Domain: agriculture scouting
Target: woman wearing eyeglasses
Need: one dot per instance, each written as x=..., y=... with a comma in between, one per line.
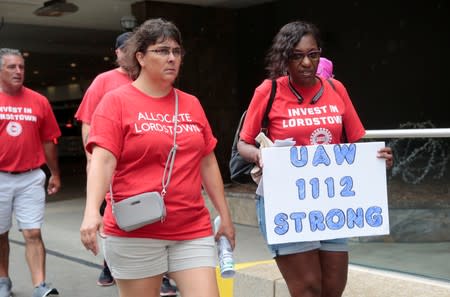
x=133, y=130
x=317, y=268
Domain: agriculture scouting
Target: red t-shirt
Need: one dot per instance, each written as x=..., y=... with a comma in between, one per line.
x=137, y=129
x=308, y=124
x=26, y=121
x=103, y=83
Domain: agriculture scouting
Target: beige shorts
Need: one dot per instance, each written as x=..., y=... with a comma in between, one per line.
x=23, y=194
x=135, y=258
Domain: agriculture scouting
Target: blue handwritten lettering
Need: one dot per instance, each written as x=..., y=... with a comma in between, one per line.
x=282, y=224
x=321, y=157
x=335, y=213
x=355, y=217
x=374, y=217
x=347, y=184
x=298, y=217
x=344, y=152
x=335, y=219
x=295, y=156
x=316, y=221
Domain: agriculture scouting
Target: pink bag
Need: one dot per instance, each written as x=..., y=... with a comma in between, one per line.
x=325, y=68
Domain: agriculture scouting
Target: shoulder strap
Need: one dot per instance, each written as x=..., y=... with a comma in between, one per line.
x=265, y=120
x=332, y=84
x=238, y=130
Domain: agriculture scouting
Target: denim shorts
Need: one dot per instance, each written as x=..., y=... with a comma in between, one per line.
x=333, y=245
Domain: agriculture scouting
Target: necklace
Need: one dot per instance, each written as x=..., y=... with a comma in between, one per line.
x=300, y=98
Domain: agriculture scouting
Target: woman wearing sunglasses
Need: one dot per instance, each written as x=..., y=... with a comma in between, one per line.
x=316, y=268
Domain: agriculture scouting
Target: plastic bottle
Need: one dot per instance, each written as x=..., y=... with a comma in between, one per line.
x=225, y=253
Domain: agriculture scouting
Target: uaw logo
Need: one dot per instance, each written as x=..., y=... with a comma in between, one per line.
x=14, y=129
x=321, y=136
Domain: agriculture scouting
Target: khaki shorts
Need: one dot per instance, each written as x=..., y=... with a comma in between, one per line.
x=135, y=258
x=23, y=194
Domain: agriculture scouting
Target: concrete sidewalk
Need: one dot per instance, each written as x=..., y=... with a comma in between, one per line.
x=70, y=268
x=74, y=271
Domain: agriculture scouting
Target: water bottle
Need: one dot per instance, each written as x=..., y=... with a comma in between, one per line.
x=225, y=253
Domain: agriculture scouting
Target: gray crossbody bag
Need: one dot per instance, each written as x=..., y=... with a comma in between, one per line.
x=146, y=208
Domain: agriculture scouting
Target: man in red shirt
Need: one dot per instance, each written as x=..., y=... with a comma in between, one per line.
x=103, y=83
x=28, y=133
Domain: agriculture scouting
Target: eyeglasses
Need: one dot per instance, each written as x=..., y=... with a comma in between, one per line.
x=165, y=51
x=313, y=55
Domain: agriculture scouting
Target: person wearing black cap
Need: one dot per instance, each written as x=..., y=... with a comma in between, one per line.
x=120, y=40
x=103, y=83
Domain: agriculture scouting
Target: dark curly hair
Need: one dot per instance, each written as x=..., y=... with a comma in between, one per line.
x=284, y=42
x=150, y=32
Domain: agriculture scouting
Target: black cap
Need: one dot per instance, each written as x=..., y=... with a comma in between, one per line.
x=121, y=39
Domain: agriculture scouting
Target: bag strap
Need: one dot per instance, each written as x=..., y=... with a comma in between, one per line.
x=238, y=130
x=332, y=84
x=265, y=121
x=170, y=159
x=172, y=153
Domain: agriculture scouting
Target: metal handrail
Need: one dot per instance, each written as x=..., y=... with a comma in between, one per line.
x=409, y=133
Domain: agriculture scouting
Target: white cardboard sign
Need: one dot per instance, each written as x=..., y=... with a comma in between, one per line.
x=324, y=192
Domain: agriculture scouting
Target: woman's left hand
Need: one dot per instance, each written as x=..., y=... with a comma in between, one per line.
x=227, y=229
x=386, y=153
